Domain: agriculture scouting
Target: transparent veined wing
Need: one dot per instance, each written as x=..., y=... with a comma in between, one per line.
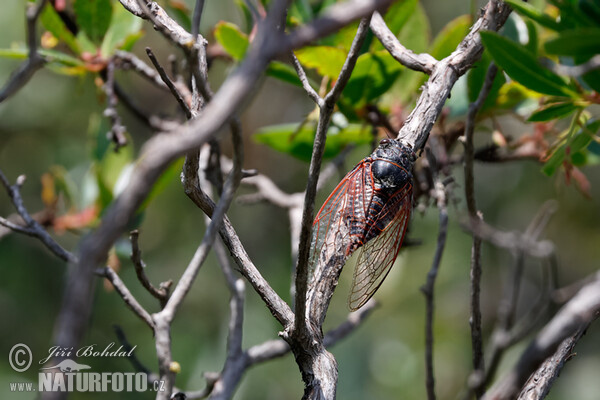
x=377, y=256
x=340, y=223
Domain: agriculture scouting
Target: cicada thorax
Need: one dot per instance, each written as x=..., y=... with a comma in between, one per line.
x=386, y=174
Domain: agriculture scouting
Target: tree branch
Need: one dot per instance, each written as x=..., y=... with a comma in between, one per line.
x=475, y=272
x=418, y=62
x=446, y=72
x=32, y=227
x=428, y=288
x=117, y=130
x=165, y=78
x=34, y=60
x=126, y=295
x=571, y=320
x=162, y=293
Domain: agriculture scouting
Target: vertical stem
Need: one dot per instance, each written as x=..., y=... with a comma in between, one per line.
x=475, y=273
x=428, y=291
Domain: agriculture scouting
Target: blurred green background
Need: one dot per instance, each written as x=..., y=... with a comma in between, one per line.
x=47, y=124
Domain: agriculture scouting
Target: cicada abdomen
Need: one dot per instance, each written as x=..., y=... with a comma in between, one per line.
x=368, y=210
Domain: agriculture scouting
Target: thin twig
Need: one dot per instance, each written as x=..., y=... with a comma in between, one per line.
x=428, y=288
x=126, y=60
x=34, y=60
x=505, y=332
x=574, y=317
x=196, y=17
x=275, y=304
x=514, y=241
x=32, y=227
x=126, y=295
x=475, y=273
x=162, y=293
x=305, y=83
x=573, y=70
x=117, y=130
x=152, y=121
x=418, y=62
x=165, y=78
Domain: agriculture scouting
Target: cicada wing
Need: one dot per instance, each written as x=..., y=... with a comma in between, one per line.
x=331, y=235
x=377, y=256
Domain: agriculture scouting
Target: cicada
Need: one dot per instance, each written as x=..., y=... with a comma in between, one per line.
x=368, y=210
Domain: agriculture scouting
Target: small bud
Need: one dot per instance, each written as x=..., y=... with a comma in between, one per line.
x=175, y=367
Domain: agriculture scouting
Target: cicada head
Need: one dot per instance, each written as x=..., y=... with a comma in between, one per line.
x=392, y=164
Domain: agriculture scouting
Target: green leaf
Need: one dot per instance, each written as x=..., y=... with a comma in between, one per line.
x=476, y=78
x=591, y=8
x=234, y=41
x=450, y=36
x=93, y=17
x=399, y=14
x=530, y=11
x=301, y=11
x=554, y=162
x=283, y=72
x=87, y=46
x=577, y=42
x=328, y=61
x=170, y=175
x=416, y=32
x=584, y=137
x=342, y=38
x=373, y=75
x=58, y=62
x=553, y=111
x=396, y=17
x=532, y=42
x=297, y=140
x=124, y=29
x=578, y=143
x=53, y=24
x=522, y=66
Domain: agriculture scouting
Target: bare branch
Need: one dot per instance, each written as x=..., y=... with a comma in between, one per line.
x=418, y=62
x=117, y=130
x=162, y=293
x=165, y=78
x=154, y=13
x=126, y=60
x=126, y=295
x=573, y=70
x=513, y=241
x=539, y=383
x=196, y=17
x=278, y=348
x=305, y=83
x=330, y=99
x=279, y=308
x=446, y=72
x=571, y=319
x=428, y=288
x=185, y=283
x=335, y=17
x=475, y=273
x=32, y=227
x=34, y=60
x=319, y=368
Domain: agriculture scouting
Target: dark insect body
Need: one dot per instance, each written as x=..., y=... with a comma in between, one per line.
x=369, y=209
